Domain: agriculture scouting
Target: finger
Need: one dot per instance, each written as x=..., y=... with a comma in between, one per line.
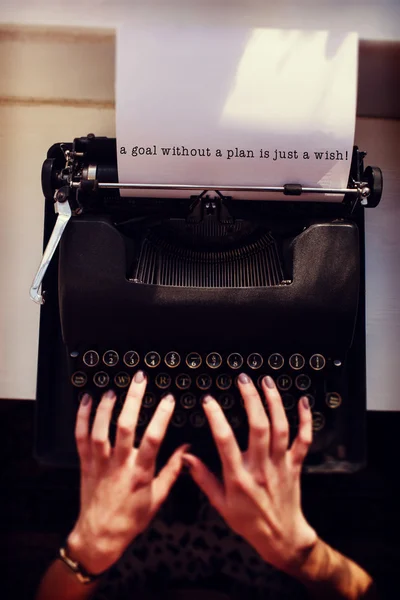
x=101, y=426
x=224, y=438
x=303, y=440
x=279, y=423
x=127, y=420
x=206, y=480
x=259, y=428
x=167, y=476
x=82, y=428
x=154, y=436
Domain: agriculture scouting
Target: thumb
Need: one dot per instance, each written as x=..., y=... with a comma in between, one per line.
x=206, y=480
x=166, y=478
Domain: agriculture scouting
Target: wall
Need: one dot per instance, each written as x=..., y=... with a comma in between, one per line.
x=49, y=91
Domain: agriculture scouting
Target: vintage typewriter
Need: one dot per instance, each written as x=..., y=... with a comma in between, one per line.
x=194, y=291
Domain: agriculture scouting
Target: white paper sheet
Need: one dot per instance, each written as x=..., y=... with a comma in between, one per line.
x=214, y=106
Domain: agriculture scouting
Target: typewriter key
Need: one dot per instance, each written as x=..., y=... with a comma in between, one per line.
x=214, y=360
x=297, y=361
x=317, y=362
x=188, y=400
x=149, y=400
x=197, y=419
x=143, y=419
x=122, y=380
x=288, y=401
x=333, y=399
x=224, y=381
x=183, y=381
x=178, y=419
x=152, y=359
x=91, y=358
x=255, y=360
x=131, y=358
x=234, y=421
x=110, y=358
x=318, y=421
x=276, y=361
x=204, y=381
x=172, y=359
x=284, y=382
x=235, y=360
x=101, y=379
x=163, y=381
x=79, y=379
x=226, y=401
x=303, y=382
x=193, y=360
x=311, y=400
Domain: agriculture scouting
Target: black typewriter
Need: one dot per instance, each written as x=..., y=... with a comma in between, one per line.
x=194, y=291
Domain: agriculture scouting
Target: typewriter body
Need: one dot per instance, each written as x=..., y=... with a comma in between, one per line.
x=194, y=291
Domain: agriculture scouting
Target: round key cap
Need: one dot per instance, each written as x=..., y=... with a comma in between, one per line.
x=204, y=381
x=276, y=361
x=178, y=419
x=255, y=360
x=333, y=399
x=131, y=358
x=197, y=419
x=172, y=359
x=183, y=381
x=303, y=382
x=91, y=358
x=152, y=359
x=226, y=401
x=149, y=400
x=101, y=379
x=288, y=401
x=224, y=381
x=188, y=400
x=317, y=362
x=284, y=383
x=297, y=361
x=163, y=381
x=235, y=360
x=214, y=360
x=79, y=379
x=318, y=421
x=110, y=358
x=193, y=360
x=122, y=380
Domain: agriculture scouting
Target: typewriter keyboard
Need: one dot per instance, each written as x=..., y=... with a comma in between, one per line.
x=190, y=375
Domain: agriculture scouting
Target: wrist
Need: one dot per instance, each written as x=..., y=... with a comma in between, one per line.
x=94, y=554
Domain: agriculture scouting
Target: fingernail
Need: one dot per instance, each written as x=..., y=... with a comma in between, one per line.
x=206, y=399
x=269, y=382
x=169, y=398
x=186, y=464
x=85, y=399
x=110, y=395
x=305, y=402
x=243, y=378
x=139, y=377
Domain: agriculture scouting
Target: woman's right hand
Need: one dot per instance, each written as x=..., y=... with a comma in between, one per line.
x=260, y=494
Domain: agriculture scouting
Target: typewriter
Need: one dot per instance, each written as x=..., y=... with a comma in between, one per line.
x=194, y=291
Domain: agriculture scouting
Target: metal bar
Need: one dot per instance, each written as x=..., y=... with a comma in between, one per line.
x=228, y=188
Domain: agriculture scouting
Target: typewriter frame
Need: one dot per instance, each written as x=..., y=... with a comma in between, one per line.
x=54, y=425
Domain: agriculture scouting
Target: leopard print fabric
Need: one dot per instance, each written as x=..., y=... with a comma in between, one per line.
x=204, y=554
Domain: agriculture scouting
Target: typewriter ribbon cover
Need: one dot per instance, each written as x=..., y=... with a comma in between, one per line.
x=228, y=106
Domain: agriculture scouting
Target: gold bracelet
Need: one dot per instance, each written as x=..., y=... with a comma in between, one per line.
x=80, y=572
